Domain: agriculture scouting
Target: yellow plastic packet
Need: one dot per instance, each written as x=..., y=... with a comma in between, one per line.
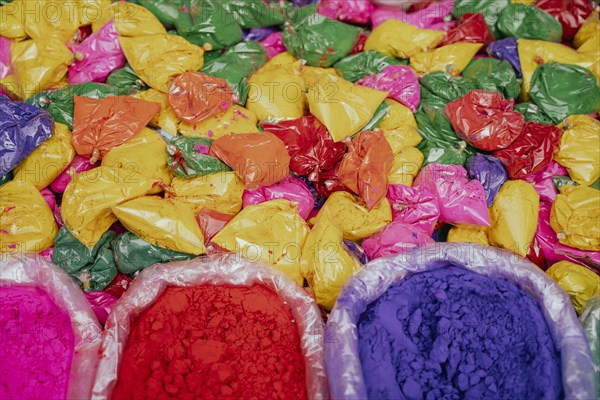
x=514, y=217
x=276, y=91
x=532, y=53
x=90, y=195
x=48, y=160
x=452, y=58
x=272, y=232
x=469, y=234
x=578, y=151
x=350, y=213
x=580, y=283
x=130, y=20
x=343, y=107
x=220, y=192
x=90, y=10
x=399, y=126
x=58, y=19
x=166, y=118
x=326, y=264
x=526, y=2
x=589, y=30
x=145, y=153
x=11, y=26
x=401, y=40
x=37, y=65
x=26, y=221
x=165, y=223
x=157, y=59
x=407, y=163
x=575, y=215
x=311, y=75
x=236, y=119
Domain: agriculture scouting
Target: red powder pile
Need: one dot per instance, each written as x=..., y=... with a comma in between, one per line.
x=213, y=342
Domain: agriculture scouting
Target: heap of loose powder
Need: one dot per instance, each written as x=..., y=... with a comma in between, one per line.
x=450, y=333
x=213, y=342
x=36, y=347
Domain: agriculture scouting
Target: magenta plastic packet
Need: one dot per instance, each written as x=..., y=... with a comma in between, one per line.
x=273, y=44
x=400, y=81
x=47, y=254
x=51, y=201
x=101, y=304
x=97, y=56
x=353, y=11
x=415, y=206
x=79, y=164
x=396, y=238
x=507, y=50
x=4, y=57
x=542, y=181
x=291, y=188
x=461, y=201
x=490, y=172
x=436, y=16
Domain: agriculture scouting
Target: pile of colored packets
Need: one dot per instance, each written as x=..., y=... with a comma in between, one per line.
x=308, y=136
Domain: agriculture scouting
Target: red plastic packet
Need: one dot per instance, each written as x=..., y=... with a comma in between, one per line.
x=119, y=285
x=470, y=28
x=211, y=222
x=329, y=182
x=570, y=13
x=361, y=39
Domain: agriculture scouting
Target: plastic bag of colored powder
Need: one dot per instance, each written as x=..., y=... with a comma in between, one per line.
x=223, y=359
x=578, y=150
x=490, y=172
x=78, y=164
x=469, y=234
x=590, y=319
x=357, y=66
x=343, y=361
x=494, y=76
x=414, y=206
x=570, y=13
x=126, y=80
x=273, y=44
x=543, y=182
x=580, y=283
x=235, y=119
x=574, y=217
x=5, y=57
x=353, y=11
x=401, y=83
x=491, y=10
x=529, y=22
x=532, y=113
x=432, y=15
x=211, y=222
x=101, y=304
x=255, y=14
x=401, y=40
x=395, y=238
x=188, y=158
x=291, y=189
x=130, y=19
x=470, y=28
x=440, y=88
x=59, y=360
x=506, y=50
x=452, y=58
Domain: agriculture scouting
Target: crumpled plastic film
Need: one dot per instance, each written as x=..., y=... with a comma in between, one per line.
x=578, y=149
x=235, y=119
x=291, y=188
x=354, y=11
x=506, y=50
x=543, y=181
x=399, y=126
x=357, y=66
x=341, y=352
x=395, y=238
x=415, y=206
x=401, y=83
x=219, y=269
x=469, y=234
x=77, y=165
x=590, y=319
x=470, y=28
x=10, y=25
x=490, y=172
x=440, y=88
x=188, y=157
x=33, y=271
x=166, y=118
x=580, y=283
x=428, y=16
x=130, y=19
x=569, y=13
x=5, y=60
x=529, y=22
x=494, y=76
x=401, y=40
x=452, y=58
x=574, y=217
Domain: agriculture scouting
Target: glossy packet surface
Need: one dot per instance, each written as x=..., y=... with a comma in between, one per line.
x=415, y=206
x=292, y=189
x=401, y=83
x=578, y=150
x=395, y=238
x=580, y=283
x=490, y=172
x=574, y=217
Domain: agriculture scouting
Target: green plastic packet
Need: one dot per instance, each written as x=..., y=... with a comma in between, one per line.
x=357, y=66
x=126, y=80
x=188, y=157
x=6, y=178
x=207, y=22
x=440, y=143
x=167, y=11
x=133, y=254
x=317, y=39
x=92, y=269
x=490, y=9
x=380, y=114
x=440, y=88
x=236, y=64
x=494, y=75
x=560, y=181
x=560, y=90
x=255, y=13
x=529, y=22
x=533, y=113
x=61, y=103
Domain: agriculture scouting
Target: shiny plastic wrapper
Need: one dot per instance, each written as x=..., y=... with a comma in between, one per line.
x=440, y=88
x=273, y=44
x=60, y=22
x=528, y=22
x=162, y=222
x=357, y=66
x=352, y=11
x=570, y=13
x=588, y=32
x=469, y=234
x=543, y=182
x=211, y=222
x=131, y=20
x=493, y=76
x=470, y=28
x=292, y=189
x=26, y=220
x=490, y=172
x=491, y=10
x=590, y=319
x=235, y=119
x=430, y=16
x=4, y=57
x=533, y=113
x=126, y=80
x=415, y=206
x=10, y=24
x=341, y=355
x=50, y=199
x=574, y=217
x=401, y=83
x=93, y=269
x=255, y=14
x=406, y=165
x=77, y=165
x=101, y=304
x=209, y=24
x=485, y=120
x=452, y=58
x=166, y=118
x=531, y=151
x=395, y=238
x=6, y=178
x=402, y=40
x=578, y=149
x=580, y=283
x=214, y=270
x=167, y=11
x=188, y=157
x=506, y=50
x=271, y=232
x=33, y=271
x=399, y=126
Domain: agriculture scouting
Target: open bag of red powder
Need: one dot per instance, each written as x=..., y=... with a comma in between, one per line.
x=456, y=320
x=50, y=336
x=216, y=327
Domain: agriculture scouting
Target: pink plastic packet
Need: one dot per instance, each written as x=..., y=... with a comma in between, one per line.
x=542, y=181
x=51, y=201
x=97, y=56
x=461, y=201
x=101, y=304
x=47, y=254
x=436, y=16
x=79, y=164
x=273, y=44
x=291, y=188
x=396, y=238
x=400, y=81
x=353, y=11
x=4, y=57
x=415, y=206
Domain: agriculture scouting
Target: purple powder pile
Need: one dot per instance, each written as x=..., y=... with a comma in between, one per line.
x=450, y=333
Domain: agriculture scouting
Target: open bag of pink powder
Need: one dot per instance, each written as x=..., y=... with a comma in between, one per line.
x=212, y=327
x=50, y=336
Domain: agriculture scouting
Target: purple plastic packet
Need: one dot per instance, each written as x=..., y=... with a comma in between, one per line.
x=101, y=303
x=273, y=44
x=258, y=34
x=352, y=11
x=358, y=251
x=318, y=199
x=78, y=165
x=302, y=3
x=396, y=238
x=97, y=56
x=291, y=188
x=507, y=49
x=490, y=172
x=4, y=57
x=543, y=183
x=23, y=127
x=415, y=206
x=436, y=16
x=400, y=81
